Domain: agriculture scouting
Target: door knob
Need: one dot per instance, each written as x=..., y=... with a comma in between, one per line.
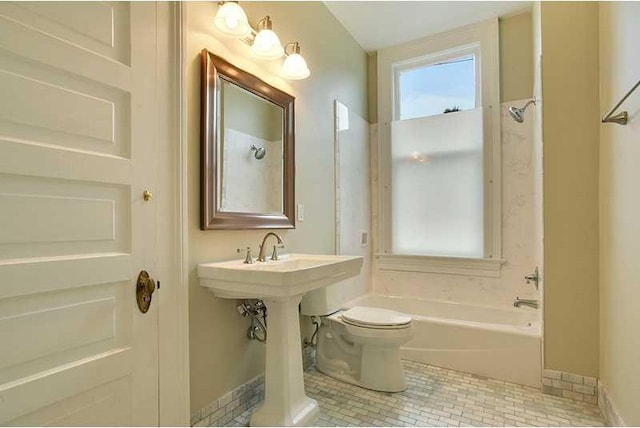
x=145, y=286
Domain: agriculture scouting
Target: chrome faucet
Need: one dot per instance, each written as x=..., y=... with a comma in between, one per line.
x=274, y=255
x=526, y=302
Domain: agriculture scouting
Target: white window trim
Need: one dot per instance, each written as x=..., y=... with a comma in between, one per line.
x=484, y=34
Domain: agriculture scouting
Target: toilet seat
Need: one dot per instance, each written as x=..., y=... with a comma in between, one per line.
x=376, y=318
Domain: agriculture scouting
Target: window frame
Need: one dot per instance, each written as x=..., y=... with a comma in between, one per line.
x=483, y=37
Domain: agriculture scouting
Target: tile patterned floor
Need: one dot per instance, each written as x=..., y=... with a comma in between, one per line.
x=441, y=397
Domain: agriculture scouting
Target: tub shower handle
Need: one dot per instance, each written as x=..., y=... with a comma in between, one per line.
x=533, y=277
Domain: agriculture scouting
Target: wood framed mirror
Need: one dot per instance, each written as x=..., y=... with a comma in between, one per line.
x=247, y=153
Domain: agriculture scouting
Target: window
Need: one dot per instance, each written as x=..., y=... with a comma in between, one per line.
x=433, y=89
x=437, y=157
x=440, y=194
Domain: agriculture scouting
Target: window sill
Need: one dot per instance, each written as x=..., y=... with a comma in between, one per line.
x=437, y=264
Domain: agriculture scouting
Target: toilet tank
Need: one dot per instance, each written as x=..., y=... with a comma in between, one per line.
x=327, y=300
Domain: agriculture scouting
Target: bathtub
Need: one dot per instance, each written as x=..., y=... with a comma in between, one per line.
x=496, y=342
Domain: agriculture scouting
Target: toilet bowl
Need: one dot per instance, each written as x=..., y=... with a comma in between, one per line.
x=361, y=346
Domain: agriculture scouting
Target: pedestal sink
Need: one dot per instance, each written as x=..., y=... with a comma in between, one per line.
x=281, y=285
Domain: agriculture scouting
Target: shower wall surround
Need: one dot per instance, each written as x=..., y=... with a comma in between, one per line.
x=520, y=234
x=353, y=199
x=353, y=203
x=256, y=184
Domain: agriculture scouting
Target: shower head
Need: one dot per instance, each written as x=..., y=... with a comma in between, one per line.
x=259, y=151
x=517, y=113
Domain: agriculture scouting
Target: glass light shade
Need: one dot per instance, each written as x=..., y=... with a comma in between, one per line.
x=232, y=21
x=295, y=67
x=267, y=45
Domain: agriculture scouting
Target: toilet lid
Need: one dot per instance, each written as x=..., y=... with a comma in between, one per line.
x=375, y=317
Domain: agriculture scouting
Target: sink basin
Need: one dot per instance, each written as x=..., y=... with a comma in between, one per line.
x=281, y=285
x=293, y=274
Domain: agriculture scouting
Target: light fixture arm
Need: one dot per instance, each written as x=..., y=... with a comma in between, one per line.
x=295, y=48
x=265, y=23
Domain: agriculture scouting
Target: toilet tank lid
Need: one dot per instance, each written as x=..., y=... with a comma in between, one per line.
x=375, y=316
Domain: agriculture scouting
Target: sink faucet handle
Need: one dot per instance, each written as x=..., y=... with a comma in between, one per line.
x=247, y=257
x=274, y=254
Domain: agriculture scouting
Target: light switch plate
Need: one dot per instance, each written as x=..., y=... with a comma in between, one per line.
x=300, y=212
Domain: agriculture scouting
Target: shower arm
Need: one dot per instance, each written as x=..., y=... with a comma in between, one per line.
x=531, y=101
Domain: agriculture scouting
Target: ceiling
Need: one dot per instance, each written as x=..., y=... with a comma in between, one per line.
x=378, y=24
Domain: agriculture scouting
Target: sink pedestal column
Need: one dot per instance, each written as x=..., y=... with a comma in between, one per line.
x=285, y=402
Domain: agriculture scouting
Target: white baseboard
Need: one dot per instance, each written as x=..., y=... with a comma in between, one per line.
x=608, y=408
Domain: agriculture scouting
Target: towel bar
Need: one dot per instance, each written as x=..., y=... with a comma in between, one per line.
x=623, y=117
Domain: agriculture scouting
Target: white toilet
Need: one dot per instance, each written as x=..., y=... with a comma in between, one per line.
x=360, y=345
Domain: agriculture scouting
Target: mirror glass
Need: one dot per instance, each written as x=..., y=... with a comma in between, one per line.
x=251, y=167
x=247, y=150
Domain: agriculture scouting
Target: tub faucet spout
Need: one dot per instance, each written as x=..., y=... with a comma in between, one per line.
x=526, y=302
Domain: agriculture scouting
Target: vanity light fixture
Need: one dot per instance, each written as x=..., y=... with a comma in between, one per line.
x=266, y=45
x=294, y=66
x=231, y=20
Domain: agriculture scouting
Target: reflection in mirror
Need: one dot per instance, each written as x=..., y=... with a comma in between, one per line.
x=251, y=170
x=247, y=150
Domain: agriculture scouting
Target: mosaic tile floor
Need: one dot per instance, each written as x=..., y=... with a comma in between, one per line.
x=441, y=397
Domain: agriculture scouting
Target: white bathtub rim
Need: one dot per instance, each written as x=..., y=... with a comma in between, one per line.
x=450, y=302
x=533, y=329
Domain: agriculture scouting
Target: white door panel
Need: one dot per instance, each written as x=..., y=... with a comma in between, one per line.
x=77, y=142
x=99, y=28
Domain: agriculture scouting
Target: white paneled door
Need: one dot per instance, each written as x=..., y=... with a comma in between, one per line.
x=77, y=151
